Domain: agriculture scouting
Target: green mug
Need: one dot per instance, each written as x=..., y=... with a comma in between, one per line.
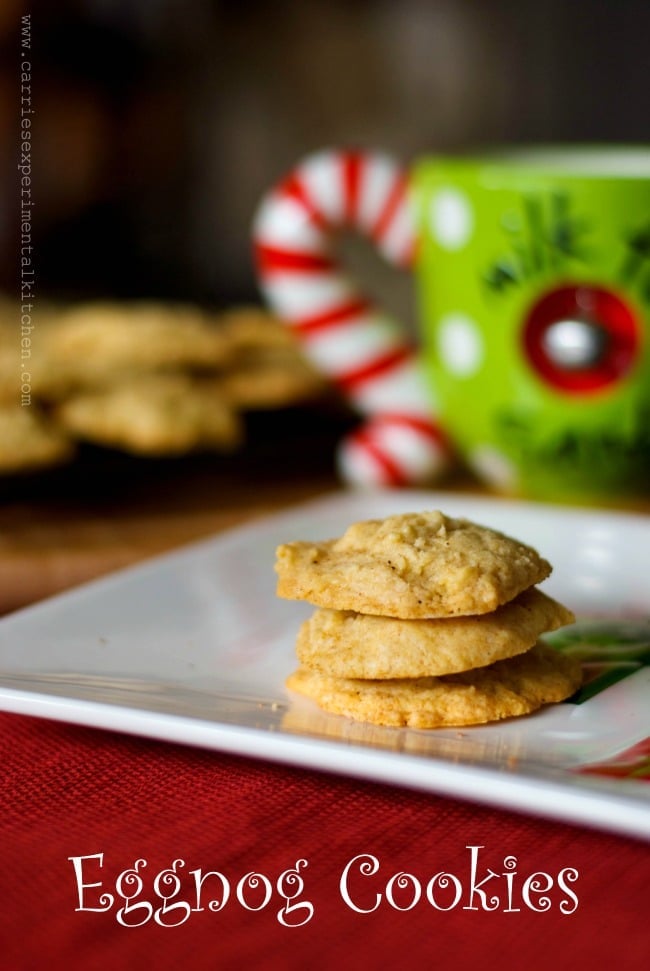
x=533, y=273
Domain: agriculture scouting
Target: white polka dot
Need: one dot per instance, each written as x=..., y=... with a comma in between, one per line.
x=460, y=345
x=452, y=219
x=494, y=467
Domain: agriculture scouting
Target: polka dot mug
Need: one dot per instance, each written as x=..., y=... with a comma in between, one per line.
x=533, y=272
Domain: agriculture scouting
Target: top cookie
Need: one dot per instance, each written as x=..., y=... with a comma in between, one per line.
x=410, y=566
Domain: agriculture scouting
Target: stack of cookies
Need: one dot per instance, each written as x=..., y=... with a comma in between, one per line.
x=145, y=378
x=426, y=621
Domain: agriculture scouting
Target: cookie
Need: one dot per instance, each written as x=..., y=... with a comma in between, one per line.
x=28, y=441
x=414, y=565
x=266, y=367
x=95, y=345
x=345, y=644
x=155, y=415
x=141, y=336
x=512, y=687
x=251, y=331
x=277, y=382
x=23, y=359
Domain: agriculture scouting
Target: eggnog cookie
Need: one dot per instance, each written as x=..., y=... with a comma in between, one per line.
x=155, y=415
x=24, y=359
x=95, y=345
x=277, y=381
x=515, y=686
x=107, y=337
x=345, y=644
x=28, y=441
x=252, y=330
x=266, y=366
x=414, y=565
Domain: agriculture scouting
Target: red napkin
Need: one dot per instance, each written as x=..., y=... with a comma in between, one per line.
x=80, y=808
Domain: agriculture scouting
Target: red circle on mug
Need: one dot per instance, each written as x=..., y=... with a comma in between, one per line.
x=581, y=338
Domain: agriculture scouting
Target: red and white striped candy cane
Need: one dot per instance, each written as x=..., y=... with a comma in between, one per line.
x=345, y=335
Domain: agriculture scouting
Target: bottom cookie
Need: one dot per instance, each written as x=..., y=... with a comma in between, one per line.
x=515, y=686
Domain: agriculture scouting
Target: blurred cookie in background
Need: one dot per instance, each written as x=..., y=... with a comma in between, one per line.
x=29, y=441
x=156, y=414
x=93, y=344
x=101, y=341
x=266, y=368
x=146, y=378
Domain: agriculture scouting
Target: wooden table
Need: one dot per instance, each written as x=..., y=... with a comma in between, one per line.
x=109, y=510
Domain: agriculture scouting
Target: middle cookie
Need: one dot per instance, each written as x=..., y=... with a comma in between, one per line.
x=346, y=644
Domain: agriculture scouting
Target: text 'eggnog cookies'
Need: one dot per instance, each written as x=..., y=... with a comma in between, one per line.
x=425, y=621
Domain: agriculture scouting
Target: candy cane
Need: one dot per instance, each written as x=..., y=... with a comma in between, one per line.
x=344, y=334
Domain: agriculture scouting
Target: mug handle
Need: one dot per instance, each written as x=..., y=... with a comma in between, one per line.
x=347, y=338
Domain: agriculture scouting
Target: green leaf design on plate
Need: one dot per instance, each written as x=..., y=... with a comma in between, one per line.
x=608, y=650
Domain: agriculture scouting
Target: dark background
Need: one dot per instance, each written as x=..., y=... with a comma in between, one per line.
x=160, y=122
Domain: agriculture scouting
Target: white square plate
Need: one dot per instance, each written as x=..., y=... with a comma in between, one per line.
x=194, y=647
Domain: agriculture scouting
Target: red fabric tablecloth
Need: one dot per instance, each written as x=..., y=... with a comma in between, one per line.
x=69, y=792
